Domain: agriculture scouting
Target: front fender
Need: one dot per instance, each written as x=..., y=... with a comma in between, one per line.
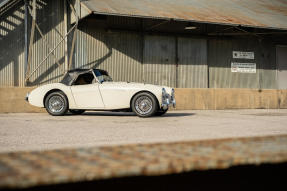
x=36, y=96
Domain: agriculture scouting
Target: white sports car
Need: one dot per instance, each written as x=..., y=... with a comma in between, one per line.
x=93, y=89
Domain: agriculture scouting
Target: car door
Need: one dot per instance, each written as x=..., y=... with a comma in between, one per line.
x=87, y=96
x=116, y=95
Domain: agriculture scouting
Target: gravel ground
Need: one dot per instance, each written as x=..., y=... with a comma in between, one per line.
x=40, y=131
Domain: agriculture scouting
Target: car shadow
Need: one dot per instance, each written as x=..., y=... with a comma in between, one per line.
x=176, y=115
x=125, y=114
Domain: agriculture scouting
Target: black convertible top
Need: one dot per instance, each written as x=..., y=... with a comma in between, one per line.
x=71, y=75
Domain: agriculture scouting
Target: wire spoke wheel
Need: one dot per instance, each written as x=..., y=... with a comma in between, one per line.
x=56, y=104
x=144, y=104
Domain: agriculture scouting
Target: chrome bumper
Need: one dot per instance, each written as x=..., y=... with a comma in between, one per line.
x=168, y=100
x=166, y=103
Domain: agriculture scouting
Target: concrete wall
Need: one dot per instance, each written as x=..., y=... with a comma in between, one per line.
x=230, y=99
x=12, y=99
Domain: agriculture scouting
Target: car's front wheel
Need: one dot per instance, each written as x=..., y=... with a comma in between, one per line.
x=56, y=103
x=144, y=104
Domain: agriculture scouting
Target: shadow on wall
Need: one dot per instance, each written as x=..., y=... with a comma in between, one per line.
x=12, y=43
x=117, y=52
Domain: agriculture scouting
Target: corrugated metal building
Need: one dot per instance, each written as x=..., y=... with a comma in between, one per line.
x=182, y=43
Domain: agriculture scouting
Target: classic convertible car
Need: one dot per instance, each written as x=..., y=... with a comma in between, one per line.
x=93, y=89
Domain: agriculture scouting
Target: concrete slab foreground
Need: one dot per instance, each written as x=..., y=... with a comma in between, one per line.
x=29, y=169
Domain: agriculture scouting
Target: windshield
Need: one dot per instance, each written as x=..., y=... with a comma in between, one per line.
x=102, y=76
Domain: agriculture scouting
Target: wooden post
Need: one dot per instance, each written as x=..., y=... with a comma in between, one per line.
x=31, y=41
x=66, y=38
x=26, y=34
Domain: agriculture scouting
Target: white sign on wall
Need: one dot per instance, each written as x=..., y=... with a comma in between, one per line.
x=243, y=55
x=243, y=67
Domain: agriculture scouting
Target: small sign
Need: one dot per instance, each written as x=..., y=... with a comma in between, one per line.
x=243, y=55
x=243, y=67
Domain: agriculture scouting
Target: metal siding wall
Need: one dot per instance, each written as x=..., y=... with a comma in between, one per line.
x=122, y=53
x=12, y=47
x=50, y=16
x=119, y=53
x=159, y=60
x=220, y=58
x=125, y=62
x=12, y=69
x=192, y=68
x=268, y=68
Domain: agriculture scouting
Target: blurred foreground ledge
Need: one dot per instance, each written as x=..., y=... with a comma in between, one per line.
x=148, y=164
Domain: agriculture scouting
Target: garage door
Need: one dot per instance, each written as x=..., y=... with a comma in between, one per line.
x=282, y=66
x=159, y=60
x=192, y=63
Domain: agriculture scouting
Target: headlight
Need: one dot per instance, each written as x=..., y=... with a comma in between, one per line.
x=163, y=91
x=164, y=94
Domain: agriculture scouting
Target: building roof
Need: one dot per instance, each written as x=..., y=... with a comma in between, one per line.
x=252, y=13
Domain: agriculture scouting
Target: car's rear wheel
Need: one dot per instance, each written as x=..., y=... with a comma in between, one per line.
x=161, y=112
x=56, y=103
x=77, y=111
x=144, y=104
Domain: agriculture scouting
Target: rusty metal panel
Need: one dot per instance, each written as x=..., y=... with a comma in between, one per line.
x=12, y=46
x=257, y=13
x=117, y=52
x=192, y=63
x=159, y=60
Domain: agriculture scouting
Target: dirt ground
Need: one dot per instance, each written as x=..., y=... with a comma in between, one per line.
x=40, y=131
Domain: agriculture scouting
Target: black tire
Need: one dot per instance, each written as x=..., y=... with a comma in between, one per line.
x=144, y=104
x=161, y=112
x=77, y=111
x=60, y=102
